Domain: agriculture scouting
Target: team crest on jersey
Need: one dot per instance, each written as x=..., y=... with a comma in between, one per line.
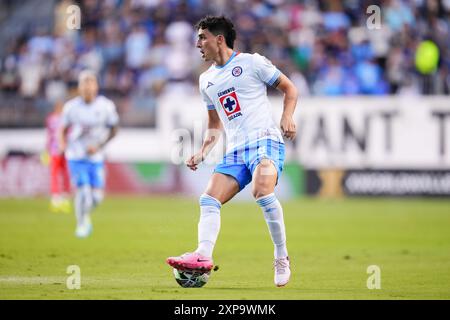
x=237, y=71
x=230, y=105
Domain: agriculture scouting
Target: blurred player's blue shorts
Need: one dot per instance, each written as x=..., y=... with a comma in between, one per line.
x=241, y=162
x=84, y=172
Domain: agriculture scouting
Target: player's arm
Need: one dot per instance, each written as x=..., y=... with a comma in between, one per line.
x=212, y=136
x=62, y=138
x=287, y=123
x=213, y=133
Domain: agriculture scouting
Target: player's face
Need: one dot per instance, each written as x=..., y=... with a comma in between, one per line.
x=88, y=88
x=58, y=107
x=207, y=43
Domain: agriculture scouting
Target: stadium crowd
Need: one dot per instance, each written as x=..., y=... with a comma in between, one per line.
x=142, y=48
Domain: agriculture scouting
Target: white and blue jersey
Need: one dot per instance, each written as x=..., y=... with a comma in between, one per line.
x=238, y=92
x=89, y=125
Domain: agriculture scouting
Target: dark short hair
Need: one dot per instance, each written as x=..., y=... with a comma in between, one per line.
x=219, y=25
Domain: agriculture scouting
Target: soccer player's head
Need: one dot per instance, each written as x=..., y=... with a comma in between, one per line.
x=214, y=34
x=87, y=85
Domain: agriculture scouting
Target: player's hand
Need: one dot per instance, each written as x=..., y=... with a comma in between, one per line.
x=288, y=127
x=194, y=160
x=92, y=150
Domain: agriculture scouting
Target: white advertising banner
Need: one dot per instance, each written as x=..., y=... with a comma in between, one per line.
x=381, y=133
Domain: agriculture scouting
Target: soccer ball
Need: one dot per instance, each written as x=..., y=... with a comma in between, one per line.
x=191, y=279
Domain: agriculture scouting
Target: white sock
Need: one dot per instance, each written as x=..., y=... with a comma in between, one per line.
x=209, y=224
x=83, y=204
x=97, y=197
x=273, y=213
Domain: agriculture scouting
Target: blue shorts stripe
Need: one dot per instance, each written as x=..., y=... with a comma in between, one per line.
x=246, y=152
x=269, y=147
x=280, y=153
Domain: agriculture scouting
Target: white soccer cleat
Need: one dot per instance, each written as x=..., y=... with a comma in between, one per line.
x=282, y=271
x=84, y=230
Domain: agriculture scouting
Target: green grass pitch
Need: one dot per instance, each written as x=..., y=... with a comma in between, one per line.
x=331, y=244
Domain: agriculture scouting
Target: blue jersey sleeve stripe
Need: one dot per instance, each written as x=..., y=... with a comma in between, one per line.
x=274, y=78
x=210, y=107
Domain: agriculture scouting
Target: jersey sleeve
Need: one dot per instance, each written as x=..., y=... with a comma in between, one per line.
x=112, y=118
x=206, y=99
x=265, y=70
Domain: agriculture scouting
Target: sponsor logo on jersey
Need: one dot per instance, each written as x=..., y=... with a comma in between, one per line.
x=209, y=84
x=230, y=105
x=221, y=93
x=237, y=71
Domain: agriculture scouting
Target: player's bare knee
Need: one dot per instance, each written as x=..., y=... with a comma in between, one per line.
x=261, y=193
x=211, y=194
x=266, y=169
x=217, y=194
x=212, y=190
x=222, y=188
x=261, y=189
x=264, y=179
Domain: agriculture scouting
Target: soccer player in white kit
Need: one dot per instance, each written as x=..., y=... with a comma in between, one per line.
x=234, y=90
x=89, y=122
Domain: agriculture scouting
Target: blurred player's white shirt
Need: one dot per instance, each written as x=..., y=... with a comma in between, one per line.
x=89, y=125
x=238, y=92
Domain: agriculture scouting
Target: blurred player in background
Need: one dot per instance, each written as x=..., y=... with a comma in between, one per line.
x=93, y=122
x=234, y=90
x=59, y=177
